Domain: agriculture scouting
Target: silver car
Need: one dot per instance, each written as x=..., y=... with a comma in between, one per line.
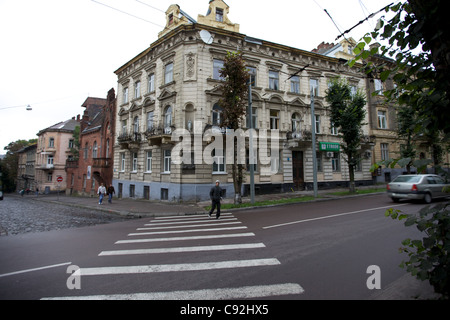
x=424, y=187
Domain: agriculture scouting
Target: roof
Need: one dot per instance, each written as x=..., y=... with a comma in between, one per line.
x=63, y=126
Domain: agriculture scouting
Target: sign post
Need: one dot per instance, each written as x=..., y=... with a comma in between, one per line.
x=59, y=180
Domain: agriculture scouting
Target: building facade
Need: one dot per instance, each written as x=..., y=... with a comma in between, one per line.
x=26, y=168
x=175, y=84
x=53, y=147
x=93, y=164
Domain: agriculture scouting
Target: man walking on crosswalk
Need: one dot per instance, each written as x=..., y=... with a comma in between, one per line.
x=216, y=196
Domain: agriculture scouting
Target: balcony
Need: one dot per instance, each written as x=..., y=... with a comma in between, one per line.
x=71, y=164
x=298, y=138
x=45, y=166
x=102, y=162
x=159, y=135
x=131, y=141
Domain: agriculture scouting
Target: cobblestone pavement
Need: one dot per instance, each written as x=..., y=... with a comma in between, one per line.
x=20, y=215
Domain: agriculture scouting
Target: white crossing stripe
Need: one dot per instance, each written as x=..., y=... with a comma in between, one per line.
x=175, y=267
x=184, y=249
x=189, y=226
x=183, y=231
x=188, y=217
x=219, y=236
x=248, y=292
x=208, y=220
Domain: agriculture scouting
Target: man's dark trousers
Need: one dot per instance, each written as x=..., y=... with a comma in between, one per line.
x=215, y=203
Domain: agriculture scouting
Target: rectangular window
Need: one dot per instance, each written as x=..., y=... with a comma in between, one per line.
x=334, y=130
x=124, y=126
x=135, y=161
x=148, y=163
x=168, y=73
x=319, y=161
x=378, y=86
x=51, y=143
x=137, y=89
x=219, y=14
x=151, y=83
x=150, y=120
x=217, y=65
x=335, y=162
x=314, y=86
x=125, y=95
x=295, y=84
x=122, y=162
x=382, y=123
x=71, y=143
x=274, y=119
x=274, y=80
x=317, y=123
x=219, y=162
x=167, y=160
x=384, y=147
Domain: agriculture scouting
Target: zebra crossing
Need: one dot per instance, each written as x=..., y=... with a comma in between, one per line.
x=163, y=236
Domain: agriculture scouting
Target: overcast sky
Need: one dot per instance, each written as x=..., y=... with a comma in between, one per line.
x=56, y=53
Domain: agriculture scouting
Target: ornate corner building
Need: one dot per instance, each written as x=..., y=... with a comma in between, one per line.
x=175, y=84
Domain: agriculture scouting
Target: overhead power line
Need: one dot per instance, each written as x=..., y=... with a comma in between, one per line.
x=362, y=21
x=129, y=14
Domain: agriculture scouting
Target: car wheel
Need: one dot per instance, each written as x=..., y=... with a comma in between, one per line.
x=396, y=200
x=427, y=198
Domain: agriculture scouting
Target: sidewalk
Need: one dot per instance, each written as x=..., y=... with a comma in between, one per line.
x=140, y=207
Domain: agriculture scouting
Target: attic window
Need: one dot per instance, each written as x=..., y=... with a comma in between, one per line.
x=170, y=19
x=219, y=14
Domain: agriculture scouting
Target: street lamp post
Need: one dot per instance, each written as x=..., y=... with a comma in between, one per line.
x=313, y=133
x=250, y=151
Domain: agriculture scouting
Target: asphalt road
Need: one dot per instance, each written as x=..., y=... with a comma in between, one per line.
x=318, y=250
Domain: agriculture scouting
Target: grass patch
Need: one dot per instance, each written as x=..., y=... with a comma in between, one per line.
x=362, y=191
x=226, y=206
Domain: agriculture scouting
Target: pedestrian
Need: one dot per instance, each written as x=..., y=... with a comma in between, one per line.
x=101, y=193
x=216, y=196
x=110, y=193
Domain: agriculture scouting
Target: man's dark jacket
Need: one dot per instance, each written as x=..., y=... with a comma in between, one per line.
x=216, y=193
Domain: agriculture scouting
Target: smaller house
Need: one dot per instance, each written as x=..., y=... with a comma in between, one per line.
x=54, y=144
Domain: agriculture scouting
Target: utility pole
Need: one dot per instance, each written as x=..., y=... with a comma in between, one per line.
x=313, y=133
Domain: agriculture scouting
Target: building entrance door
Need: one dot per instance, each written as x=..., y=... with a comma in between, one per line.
x=297, y=170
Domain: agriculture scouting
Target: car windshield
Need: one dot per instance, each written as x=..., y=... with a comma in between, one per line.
x=407, y=179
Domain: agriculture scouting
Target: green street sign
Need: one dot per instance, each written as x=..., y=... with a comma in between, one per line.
x=329, y=146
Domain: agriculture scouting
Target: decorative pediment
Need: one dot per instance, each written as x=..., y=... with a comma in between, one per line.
x=298, y=102
x=135, y=107
x=166, y=94
x=123, y=111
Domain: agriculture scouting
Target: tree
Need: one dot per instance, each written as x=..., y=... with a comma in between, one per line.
x=9, y=165
x=347, y=114
x=234, y=102
x=418, y=39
